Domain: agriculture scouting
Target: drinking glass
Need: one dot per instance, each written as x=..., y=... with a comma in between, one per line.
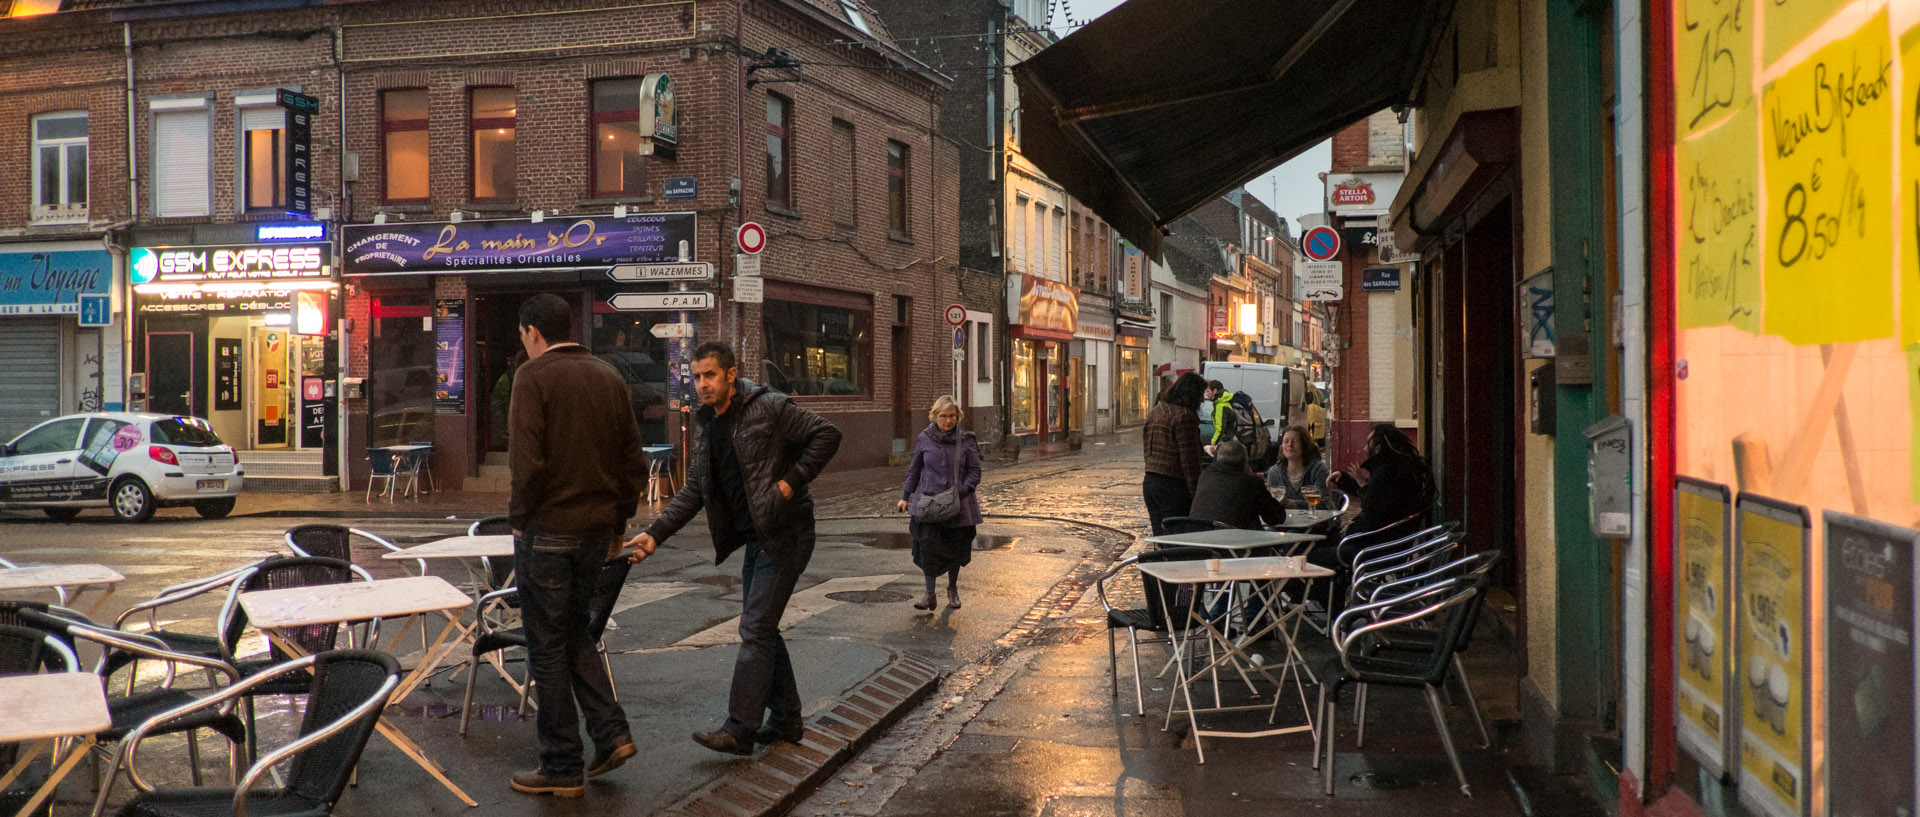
x=1312, y=494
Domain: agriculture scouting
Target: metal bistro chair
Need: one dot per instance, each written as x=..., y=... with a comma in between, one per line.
x=275, y=574
x=26, y=651
x=499, y=573
x=350, y=690
x=207, y=646
x=660, y=466
x=1477, y=567
x=1443, y=605
x=1151, y=619
x=490, y=638
x=381, y=463
x=423, y=464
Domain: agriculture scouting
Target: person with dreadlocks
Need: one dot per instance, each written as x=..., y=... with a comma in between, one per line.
x=1397, y=482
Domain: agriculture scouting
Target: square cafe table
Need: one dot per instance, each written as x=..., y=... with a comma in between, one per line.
x=1271, y=571
x=490, y=546
x=37, y=710
x=1305, y=519
x=276, y=611
x=61, y=576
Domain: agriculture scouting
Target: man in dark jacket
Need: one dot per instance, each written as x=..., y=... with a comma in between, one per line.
x=577, y=471
x=1231, y=494
x=750, y=467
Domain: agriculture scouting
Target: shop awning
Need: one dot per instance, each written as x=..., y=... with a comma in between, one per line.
x=1158, y=106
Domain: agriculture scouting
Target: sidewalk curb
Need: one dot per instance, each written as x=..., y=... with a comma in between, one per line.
x=786, y=774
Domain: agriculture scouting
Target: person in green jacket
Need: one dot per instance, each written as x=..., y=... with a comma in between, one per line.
x=1222, y=411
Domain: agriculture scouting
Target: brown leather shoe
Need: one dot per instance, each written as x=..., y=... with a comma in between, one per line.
x=771, y=734
x=720, y=740
x=537, y=782
x=609, y=758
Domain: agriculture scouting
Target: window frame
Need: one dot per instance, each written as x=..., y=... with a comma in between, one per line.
x=388, y=127
x=783, y=130
x=62, y=144
x=195, y=106
x=855, y=17
x=595, y=117
x=243, y=160
x=900, y=183
x=474, y=127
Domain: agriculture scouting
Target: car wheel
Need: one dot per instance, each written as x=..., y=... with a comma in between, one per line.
x=215, y=508
x=132, y=500
x=61, y=514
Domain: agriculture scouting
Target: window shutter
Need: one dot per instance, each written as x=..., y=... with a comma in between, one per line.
x=263, y=117
x=180, y=164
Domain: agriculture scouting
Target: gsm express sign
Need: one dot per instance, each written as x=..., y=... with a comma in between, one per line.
x=244, y=263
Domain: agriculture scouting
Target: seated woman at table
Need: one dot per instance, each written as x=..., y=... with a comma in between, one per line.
x=1299, y=467
x=1397, y=484
x=1231, y=494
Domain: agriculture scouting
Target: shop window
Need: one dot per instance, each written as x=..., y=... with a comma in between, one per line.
x=625, y=341
x=846, y=187
x=897, y=160
x=1135, y=385
x=1025, y=408
x=60, y=167
x=617, y=168
x=819, y=349
x=779, y=152
x=491, y=114
x=401, y=370
x=263, y=157
x=404, y=150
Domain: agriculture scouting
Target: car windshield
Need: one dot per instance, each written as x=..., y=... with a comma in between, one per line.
x=184, y=431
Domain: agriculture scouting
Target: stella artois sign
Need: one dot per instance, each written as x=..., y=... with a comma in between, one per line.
x=1353, y=191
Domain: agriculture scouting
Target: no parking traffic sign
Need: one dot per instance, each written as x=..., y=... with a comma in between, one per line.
x=1321, y=243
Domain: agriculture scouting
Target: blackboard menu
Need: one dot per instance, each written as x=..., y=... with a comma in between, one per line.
x=226, y=374
x=1870, y=705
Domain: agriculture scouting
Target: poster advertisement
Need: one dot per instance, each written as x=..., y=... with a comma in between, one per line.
x=450, y=356
x=1703, y=614
x=1771, y=580
x=1869, y=667
x=226, y=374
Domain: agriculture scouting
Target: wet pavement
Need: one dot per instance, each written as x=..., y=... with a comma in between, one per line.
x=1024, y=722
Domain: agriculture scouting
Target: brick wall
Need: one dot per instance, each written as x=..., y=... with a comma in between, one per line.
x=1350, y=148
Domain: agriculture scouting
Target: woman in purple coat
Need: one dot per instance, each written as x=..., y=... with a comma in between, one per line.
x=948, y=546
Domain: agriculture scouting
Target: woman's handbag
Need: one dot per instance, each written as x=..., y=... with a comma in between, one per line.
x=943, y=507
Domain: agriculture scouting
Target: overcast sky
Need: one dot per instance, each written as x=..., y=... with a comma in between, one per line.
x=1291, y=189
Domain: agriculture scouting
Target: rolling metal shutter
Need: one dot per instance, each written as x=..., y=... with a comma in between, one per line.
x=30, y=357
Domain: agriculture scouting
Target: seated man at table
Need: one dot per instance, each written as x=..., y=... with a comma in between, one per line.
x=1229, y=493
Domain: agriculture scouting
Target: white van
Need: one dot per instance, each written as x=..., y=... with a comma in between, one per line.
x=1279, y=392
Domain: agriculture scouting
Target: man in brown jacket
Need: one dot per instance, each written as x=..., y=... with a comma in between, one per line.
x=577, y=471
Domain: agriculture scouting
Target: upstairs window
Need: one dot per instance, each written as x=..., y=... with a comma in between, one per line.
x=182, y=158
x=490, y=113
x=616, y=139
x=845, y=188
x=859, y=21
x=779, y=151
x=263, y=158
x=60, y=167
x=404, y=150
x=897, y=158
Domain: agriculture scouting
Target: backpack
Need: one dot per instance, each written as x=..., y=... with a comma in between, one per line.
x=1249, y=428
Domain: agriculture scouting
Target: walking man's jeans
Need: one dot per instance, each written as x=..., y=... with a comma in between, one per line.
x=556, y=576
x=763, y=674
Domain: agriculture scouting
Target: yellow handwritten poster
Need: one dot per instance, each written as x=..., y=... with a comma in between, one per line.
x=1702, y=621
x=1717, y=175
x=1771, y=665
x=1712, y=61
x=1826, y=235
x=1910, y=188
x=1787, y=22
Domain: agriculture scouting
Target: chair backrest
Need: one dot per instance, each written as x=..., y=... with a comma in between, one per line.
x=276, y=574
x=1445, y=605
x=324, y=541
x=606, y=591
x=26, y=650
x=1157, y=600
x=342, y=680
x=10, y=610
x=498, y=570
x=1188, y=524
x=381, y=461
x=1356, y=541
x=1415, y=558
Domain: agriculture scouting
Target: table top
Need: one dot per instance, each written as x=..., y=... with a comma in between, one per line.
x=1307, y=519
x=1234, y=539
x=493, y=546
x=1232, y=570
x=52, y=705
x=402, y=448
x=23, y=578
x=657, y=449
x=352, y=601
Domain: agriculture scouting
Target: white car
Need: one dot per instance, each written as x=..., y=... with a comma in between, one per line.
x=134, y=463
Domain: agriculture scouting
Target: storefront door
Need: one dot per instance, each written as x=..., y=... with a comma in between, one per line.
x=269, y=408
x=170, y=375
x=1043, y=409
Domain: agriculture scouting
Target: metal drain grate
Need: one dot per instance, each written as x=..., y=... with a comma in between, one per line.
x=869, y=596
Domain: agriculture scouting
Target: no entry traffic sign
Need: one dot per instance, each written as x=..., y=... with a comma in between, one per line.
x=1321, y=243
x=752, y=238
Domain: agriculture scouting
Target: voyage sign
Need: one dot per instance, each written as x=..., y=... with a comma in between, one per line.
x=51, y=283
x=517, y=244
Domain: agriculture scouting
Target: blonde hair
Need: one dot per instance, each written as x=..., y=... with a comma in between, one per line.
x=942, y=403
